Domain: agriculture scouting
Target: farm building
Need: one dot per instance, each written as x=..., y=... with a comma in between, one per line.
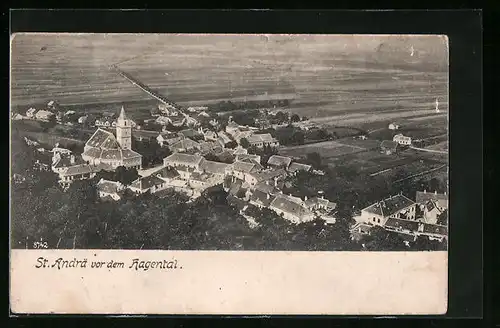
x=402, y=140
x=393, y=126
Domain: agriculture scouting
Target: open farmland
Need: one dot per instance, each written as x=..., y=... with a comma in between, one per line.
x=327, y=149
x=324, y=75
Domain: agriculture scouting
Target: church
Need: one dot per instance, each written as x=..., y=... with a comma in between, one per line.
x=104, y=149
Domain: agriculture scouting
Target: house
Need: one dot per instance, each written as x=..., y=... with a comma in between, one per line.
x=433, y=231
x=177, y=121
x=215, y=169
x=167, y=174
x=210, y=135
x=190, y=121
x=16, y=116
x=393, y=126
x=197, y=109
x=30, y=113
x=261, y=199
x=204, y=114
x=232, y=127
x=149, y=183
x=253, y=178
x=246, y=157
x=397, y=207
x=423, y=196
x=44, y=115
x=359, y=230
x=402, y=140
x=168, y=109
x=185, y=164
x=111, y=189
x=61, y=161
x=167, y=138
x=319, y=204
x=243, y=170
x=279, y=162
x=76, y=172
x=83, y=119
x=241, y=151
x=69, y=113
x=290, y=209
x=388, y=147
x=184, y=145
x=296, y=167
x=206, y=147
x=261, y=140
x=190, y=133
x=224, y=139
x=432, y=205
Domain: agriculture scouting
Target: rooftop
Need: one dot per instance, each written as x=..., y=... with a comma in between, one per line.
x=277, y=160
x=261, y=198
x=166, y=173
x=390, y=206
x=244, y=167
x=399, y=224
x=256, y=138
x=109, y=187
x=78, y=169
x=423, y=196
x=184, y=144
x=103, y=139
x=294, y=167
x=186, y=159
x=214, y=167
x=284, y=204
x=435, y=229
x=146, y=182
x=388, y=144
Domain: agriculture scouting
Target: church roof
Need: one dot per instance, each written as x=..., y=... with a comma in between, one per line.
x=103, y=139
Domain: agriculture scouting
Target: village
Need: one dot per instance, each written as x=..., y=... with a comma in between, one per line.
x=242, y=159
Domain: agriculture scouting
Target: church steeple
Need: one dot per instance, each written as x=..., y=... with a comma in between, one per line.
x=122, y=116
x=124, y=131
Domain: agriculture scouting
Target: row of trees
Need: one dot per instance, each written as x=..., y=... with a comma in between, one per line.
x=227, y=106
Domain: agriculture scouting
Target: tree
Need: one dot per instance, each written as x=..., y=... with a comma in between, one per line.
x=126, y=175
x=232, y=144
x=295, y=118
x=281, y=117
x=244, y=143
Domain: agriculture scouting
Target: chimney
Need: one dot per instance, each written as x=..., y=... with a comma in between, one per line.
x=305, y=198
x=72, y=159
x=425, y=191
x=267, y=196
x=435, y=192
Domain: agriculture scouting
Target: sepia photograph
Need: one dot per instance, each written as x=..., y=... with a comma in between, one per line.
x=229, y=142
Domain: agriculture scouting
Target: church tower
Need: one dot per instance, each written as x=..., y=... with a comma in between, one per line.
x=124, y=131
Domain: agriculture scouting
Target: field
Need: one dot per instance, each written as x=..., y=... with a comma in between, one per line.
x=327, y=149
x=325, y=75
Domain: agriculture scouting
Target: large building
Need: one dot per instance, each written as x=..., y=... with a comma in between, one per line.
x=104, y=148
x=394, y=207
